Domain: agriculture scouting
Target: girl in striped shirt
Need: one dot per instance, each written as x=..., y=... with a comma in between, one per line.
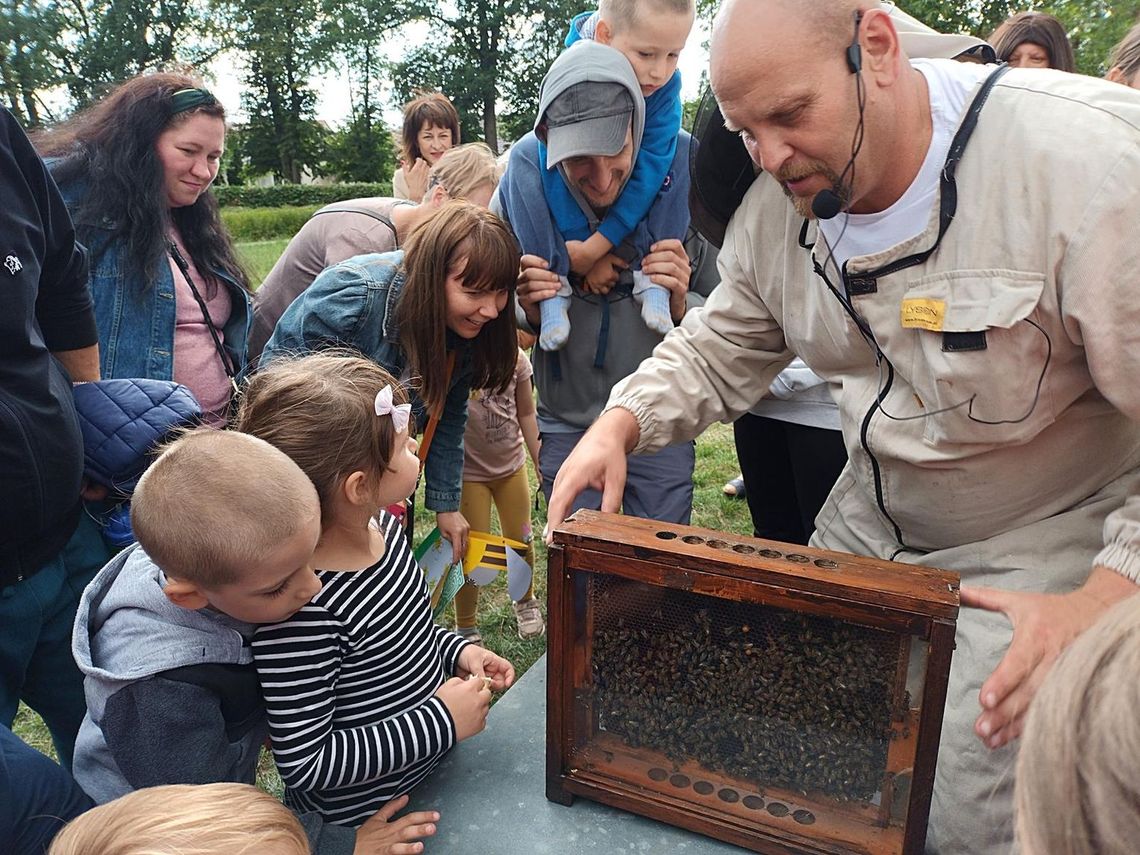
x=364, y=693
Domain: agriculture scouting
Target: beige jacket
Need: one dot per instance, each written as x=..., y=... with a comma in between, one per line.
x=952, y=447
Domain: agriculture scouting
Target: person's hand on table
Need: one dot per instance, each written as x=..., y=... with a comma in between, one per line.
x=382, y=835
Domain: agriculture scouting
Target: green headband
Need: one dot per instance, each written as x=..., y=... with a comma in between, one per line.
x=188, y=99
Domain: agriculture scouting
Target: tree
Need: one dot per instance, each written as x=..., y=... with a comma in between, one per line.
x=104, y=42
x=28, y=34
x=363, y=150
x=284, y=45
x=488, y=54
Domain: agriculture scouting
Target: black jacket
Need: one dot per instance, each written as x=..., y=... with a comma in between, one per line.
x=46, y=306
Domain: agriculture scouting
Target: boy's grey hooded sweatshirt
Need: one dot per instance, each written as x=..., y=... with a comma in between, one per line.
x=172, y=695
x=608, y=338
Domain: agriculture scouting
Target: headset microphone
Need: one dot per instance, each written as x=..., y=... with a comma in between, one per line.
x=826, y=204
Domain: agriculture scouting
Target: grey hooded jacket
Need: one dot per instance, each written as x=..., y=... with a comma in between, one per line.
x=608, y=338
x=172, y=696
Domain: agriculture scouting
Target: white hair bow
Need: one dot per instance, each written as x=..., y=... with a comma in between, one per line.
x=399, y=413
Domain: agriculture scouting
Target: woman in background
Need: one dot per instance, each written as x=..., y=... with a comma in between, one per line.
x=1033, y=40
x=171, y=298
x=431, y=127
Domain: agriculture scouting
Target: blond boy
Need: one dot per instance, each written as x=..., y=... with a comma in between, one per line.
x=226, y=526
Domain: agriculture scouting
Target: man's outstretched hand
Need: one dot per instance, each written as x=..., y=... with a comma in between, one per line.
x=598, y=462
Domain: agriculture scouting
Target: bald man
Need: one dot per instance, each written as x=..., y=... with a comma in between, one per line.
x=952, y=250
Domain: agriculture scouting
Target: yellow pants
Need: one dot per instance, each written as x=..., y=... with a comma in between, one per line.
x=511, y=496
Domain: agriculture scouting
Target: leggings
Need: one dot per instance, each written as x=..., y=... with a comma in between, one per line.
x=511, y=496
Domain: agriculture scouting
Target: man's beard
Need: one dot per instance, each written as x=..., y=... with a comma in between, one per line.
x=802, y=204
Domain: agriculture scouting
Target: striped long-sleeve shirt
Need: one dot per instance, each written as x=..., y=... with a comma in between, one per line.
x=350, y=682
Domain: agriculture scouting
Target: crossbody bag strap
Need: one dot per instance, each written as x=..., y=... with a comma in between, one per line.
x=433, y=420
x=184, y=269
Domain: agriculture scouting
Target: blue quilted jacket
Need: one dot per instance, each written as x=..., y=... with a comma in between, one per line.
x=122, y=420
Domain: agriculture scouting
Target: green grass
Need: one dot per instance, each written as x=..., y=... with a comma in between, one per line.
x=259, y=257
x=716, y=463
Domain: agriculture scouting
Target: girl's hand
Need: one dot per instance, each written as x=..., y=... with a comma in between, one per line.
x=416, y=177
x=468, y=702
x=382, y=835
x=453, y=527
x=480, y=662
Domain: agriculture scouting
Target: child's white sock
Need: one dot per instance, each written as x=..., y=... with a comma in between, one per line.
x=655, y=312
x=555, y=322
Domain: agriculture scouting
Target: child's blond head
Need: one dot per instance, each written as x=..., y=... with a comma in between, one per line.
x=1078, y=792
x=320, y=410
x=623, y=15
x=215, y=501
x=186, y=819
x=465, y=171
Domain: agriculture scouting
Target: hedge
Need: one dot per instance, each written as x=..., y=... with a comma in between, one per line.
x=246, y=224
x=282, y=195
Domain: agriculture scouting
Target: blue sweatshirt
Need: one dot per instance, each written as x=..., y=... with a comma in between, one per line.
x=650, y=170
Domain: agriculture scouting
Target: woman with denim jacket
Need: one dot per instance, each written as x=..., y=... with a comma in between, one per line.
x=432, y=315
x=171, y=298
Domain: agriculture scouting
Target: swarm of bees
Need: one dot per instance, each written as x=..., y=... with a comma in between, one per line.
x=776, y=698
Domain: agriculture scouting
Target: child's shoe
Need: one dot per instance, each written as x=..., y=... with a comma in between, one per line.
x=470, y=633
x=529, y=617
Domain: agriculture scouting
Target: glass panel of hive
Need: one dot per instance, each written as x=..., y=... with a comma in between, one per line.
x=764, y=712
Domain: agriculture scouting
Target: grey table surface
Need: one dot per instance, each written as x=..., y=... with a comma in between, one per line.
x=490, y=792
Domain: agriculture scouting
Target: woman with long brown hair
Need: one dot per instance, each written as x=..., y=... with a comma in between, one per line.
x=171, y=299
x=434, y=315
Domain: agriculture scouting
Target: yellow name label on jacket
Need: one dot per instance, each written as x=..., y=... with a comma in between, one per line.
x=923, y=314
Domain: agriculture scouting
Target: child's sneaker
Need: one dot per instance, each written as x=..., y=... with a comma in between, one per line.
x=470, y=633
x=529, y=617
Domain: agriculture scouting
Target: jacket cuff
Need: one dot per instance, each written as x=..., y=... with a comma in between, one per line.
x=614, y=230
x=442, y=502
x=1120, y=559
x=641, y=413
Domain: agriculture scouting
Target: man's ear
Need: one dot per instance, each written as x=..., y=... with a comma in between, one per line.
x=602, y=32
x=880, y=45
x=437, y=195
x=1116, y=75
x=185, y=594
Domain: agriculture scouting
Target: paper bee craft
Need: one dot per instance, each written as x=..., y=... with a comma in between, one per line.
x=487, y=556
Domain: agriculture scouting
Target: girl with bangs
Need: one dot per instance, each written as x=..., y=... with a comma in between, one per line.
x=434, y=316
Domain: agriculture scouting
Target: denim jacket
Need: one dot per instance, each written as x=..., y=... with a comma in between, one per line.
x=136, y=320
x=352, y=304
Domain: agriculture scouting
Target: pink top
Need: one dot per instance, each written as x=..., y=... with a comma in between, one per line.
x=197, y=364
x=493, y=446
